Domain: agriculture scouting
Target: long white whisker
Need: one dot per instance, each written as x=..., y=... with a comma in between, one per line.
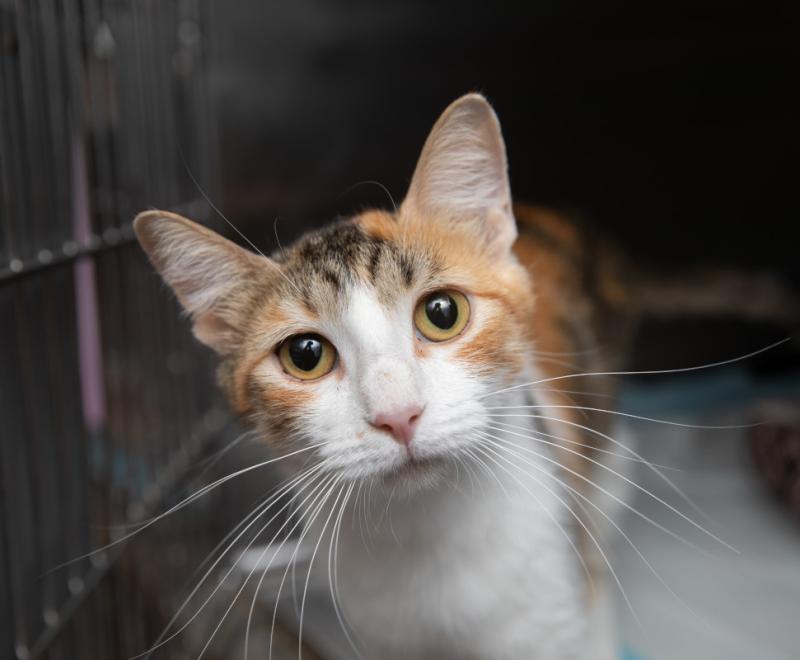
x=333, y=579
x=645, y=372
x=209, y=462
x=318, y=494
x=274, y=494
x=375, y=524
x=488, y=470
x=317, y=489
x=188, y=500
x=317, y=508
x=589, y=351
x=308, y=573
x=455, y=483
x=277, y=238
x=470, y=473
x=386, y=508
x=233, y=226
x=375, y=183
x=604, y=395
x=162, y=639
x=361, y=512
x=477, y=461
x=556, y=361
x=485, y=450
x=576, y=493
x=617, y=499
x=631, y=451
x=655, y=420
x=578, y=444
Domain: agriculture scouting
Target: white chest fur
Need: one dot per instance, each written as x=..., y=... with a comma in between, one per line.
x=478, y=567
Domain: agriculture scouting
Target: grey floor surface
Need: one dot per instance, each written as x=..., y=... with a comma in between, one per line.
x=733, y=605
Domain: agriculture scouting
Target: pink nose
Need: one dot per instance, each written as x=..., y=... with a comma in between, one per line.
x=400, y=424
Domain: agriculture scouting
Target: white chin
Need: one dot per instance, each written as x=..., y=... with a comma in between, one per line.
x=416, y=473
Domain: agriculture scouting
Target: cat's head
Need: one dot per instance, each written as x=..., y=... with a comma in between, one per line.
x=375, y=337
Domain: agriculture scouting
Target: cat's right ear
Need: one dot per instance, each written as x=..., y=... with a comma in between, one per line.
x=210, y=275
x=462, y=175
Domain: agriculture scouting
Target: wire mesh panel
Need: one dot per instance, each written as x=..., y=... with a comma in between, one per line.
x=105, y=399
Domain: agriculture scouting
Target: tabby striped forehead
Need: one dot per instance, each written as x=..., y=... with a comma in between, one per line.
x=324, y=265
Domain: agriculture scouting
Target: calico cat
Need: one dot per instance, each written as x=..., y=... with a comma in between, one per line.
x=415, y=367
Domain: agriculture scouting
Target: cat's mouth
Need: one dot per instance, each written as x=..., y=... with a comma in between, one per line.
x=414, y=467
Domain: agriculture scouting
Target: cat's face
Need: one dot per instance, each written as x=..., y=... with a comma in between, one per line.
x=376, y=337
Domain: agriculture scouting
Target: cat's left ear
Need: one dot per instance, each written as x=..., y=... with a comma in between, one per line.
x=462, y=174
x=211, y=276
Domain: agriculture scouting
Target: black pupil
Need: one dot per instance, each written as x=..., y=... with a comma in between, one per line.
x=441, y=310
x=305, y=351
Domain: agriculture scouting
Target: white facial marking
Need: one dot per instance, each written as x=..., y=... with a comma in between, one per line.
x=382, y=373
x=387, y=370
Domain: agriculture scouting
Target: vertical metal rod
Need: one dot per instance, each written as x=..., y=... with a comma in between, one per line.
x=104, y=371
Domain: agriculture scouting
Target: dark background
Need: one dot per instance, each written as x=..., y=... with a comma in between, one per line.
x=671, y=125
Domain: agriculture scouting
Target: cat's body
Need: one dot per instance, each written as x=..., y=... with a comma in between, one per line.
x=425, y=360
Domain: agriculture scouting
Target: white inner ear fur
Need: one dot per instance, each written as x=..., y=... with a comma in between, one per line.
x=462, y=173
x=207, y=272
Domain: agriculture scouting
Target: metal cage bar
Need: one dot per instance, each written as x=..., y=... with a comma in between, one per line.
x=105, y=399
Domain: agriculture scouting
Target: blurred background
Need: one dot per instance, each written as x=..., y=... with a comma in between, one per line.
x=669, y=126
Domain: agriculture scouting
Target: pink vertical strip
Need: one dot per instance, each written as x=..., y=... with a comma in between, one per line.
x=90, y=357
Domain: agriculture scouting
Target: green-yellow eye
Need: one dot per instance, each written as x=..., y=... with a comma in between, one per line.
x=441, y=315
x=307, y=356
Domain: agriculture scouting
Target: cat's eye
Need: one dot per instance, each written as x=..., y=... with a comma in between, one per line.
x=441, y=315
x=307, y=356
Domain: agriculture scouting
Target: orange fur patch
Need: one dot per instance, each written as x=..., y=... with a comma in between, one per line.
x=457, y=249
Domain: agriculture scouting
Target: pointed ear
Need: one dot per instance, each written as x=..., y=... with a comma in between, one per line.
x=211, y=276
x=462, y=173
